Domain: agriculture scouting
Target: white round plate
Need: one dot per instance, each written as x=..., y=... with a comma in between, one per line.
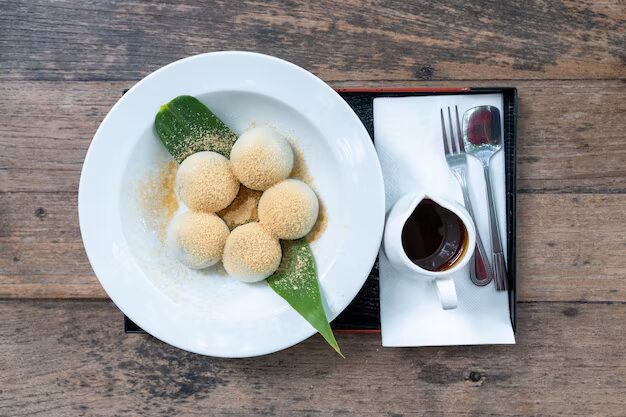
x=207, y=312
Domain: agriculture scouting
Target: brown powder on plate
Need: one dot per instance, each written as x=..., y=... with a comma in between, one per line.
x=251, y=253
x=157, y=199
x=300, y=170
x=243, y=209
x=167, y=196
x=320, y=225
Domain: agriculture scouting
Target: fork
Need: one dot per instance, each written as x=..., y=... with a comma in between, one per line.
x=481, y=274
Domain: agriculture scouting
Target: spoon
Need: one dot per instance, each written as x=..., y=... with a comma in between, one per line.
x=482, y=135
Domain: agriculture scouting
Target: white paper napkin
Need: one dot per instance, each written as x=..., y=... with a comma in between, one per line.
x=408, y=139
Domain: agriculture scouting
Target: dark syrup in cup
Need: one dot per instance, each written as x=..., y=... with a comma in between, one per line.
x=433, y=237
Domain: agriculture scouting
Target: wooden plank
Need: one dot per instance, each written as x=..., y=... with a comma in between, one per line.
x=570, y=247
x=564, y=252
x=567, y=130
x=125, y=40
x=72, y=358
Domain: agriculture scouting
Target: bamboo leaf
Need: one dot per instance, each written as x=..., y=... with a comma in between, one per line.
x=296, y=281
x=186, y=126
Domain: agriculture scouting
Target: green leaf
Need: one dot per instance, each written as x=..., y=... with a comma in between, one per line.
x=296, y=281
x=186, y=126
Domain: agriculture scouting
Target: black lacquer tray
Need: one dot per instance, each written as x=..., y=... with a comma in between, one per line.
x=363, y=314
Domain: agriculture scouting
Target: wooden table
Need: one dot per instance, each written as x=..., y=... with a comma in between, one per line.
x=63, y=65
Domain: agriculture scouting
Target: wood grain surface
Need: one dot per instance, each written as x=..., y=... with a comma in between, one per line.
x=347, y=40
x=567, y=129
x=64, y=64
x=68, y=358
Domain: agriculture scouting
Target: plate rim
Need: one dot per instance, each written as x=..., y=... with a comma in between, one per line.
x=376, y=190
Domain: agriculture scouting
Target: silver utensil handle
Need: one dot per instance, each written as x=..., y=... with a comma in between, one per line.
x=499, y=265
x=479, y=276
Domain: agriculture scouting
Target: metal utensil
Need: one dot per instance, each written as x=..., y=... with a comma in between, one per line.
x=480, y=273
x=482, y=135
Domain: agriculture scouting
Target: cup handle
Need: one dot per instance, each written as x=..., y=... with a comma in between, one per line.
x=447, y=293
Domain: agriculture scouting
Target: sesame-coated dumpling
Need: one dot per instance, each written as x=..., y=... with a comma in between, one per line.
x=261, y=157
x=205, y=182
x=289, y=209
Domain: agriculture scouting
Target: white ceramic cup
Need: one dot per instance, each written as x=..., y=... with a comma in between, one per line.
x=394, y=250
